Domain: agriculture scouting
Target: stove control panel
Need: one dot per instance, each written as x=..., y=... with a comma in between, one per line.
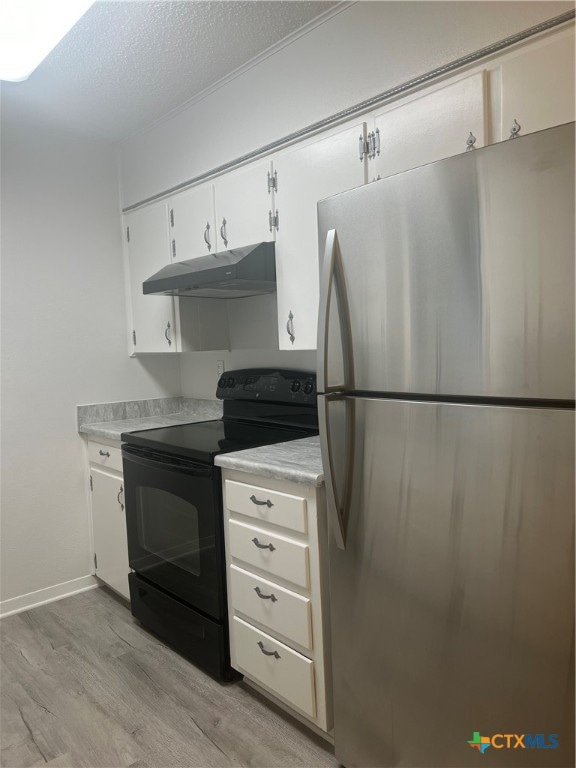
x=270, y=384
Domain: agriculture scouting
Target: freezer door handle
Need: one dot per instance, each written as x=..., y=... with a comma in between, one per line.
x=332, y=277
x=337, y=434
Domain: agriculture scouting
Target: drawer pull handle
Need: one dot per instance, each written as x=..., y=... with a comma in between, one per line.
x=271, y=547
x=272, y=597
x=104, y=453
x=259, y=503
x=267, y=653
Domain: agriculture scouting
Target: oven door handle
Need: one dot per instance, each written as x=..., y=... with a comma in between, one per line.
x=167, y=462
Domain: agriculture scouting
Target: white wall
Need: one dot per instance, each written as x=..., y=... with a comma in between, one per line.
x=364, y=50
x=199, y=368
x=63, y=343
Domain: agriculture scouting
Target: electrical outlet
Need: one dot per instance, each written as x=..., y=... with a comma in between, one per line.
x=219, y=368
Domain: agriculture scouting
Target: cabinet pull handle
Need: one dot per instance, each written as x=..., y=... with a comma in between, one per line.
x=223, y=233
x=514, y=130
x=168, y=339
x=271, y=547
x=470, y=141
x=259, y=503
x=361, y=147
x=104, y=453
x=120, y=492
x=207, y=236
x=377, y=142
x=290, y=327
x=267, y=653
x=272, y=597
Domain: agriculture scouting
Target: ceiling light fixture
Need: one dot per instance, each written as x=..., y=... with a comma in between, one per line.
x=30, y=29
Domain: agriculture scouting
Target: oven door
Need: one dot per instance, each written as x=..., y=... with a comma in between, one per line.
x=174, y=523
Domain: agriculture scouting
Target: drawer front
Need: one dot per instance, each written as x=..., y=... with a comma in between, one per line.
x=105, y=455
x=277, y=608
x=267, y=506
x=274, y=554
x=276, y=666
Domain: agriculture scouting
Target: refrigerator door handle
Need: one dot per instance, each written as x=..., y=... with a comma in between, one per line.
x=338, y=504
x=332, y=275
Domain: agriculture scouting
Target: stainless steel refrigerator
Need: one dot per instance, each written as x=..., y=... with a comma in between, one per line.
x=446, y=367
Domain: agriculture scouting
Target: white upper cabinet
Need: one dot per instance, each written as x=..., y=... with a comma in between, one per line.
x=234, y=211
x=147, y=249
x=306, y=174
x=538, y=86
x=435, y=125
x=192, y=223
x=528, y=89
x=244, y=206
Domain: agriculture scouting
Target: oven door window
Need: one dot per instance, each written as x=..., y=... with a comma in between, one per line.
x=173, y=535
x=174, y=523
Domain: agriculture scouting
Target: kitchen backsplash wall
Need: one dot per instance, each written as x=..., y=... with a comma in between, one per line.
x=200, y=369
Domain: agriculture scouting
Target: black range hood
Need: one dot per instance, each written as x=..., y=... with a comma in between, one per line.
x=234, y=274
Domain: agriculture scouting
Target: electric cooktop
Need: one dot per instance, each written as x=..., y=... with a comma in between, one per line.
x=261, y=407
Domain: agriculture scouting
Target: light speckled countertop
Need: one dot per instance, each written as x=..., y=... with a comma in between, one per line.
x=297, y=460
x=108, y=420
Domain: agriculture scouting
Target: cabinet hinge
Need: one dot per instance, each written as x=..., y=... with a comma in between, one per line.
x=134, y=337
x=273, y=221
x=171, y=217
x=272, y=181
x=127, y=234
x=370, y=146
x=91, y=484
x=95, y=561
x=173, y=249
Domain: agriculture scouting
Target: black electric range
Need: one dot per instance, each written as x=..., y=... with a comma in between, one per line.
x=174, y=511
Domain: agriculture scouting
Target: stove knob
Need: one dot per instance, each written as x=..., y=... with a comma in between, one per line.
x=222, y=382
x=295, y=386
x=230, y=381
x=308, y=388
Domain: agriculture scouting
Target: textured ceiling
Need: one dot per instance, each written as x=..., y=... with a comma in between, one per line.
x=128, y=62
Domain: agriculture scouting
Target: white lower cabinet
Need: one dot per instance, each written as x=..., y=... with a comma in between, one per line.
x=108, y=516
x=283, y=670
x=276, y=555
x=277, y=597
x=271, y=605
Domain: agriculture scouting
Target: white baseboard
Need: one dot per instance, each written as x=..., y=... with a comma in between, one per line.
x=47, y=595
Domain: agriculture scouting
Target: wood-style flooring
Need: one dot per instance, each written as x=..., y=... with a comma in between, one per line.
x=83, y=684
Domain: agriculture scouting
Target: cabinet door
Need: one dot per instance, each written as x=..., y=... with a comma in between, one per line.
x=147, y=249
x=538, y=87
x=244, y=204
x=430, y=127
x=307, y=174
x=109, y=528
x=192, y=223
